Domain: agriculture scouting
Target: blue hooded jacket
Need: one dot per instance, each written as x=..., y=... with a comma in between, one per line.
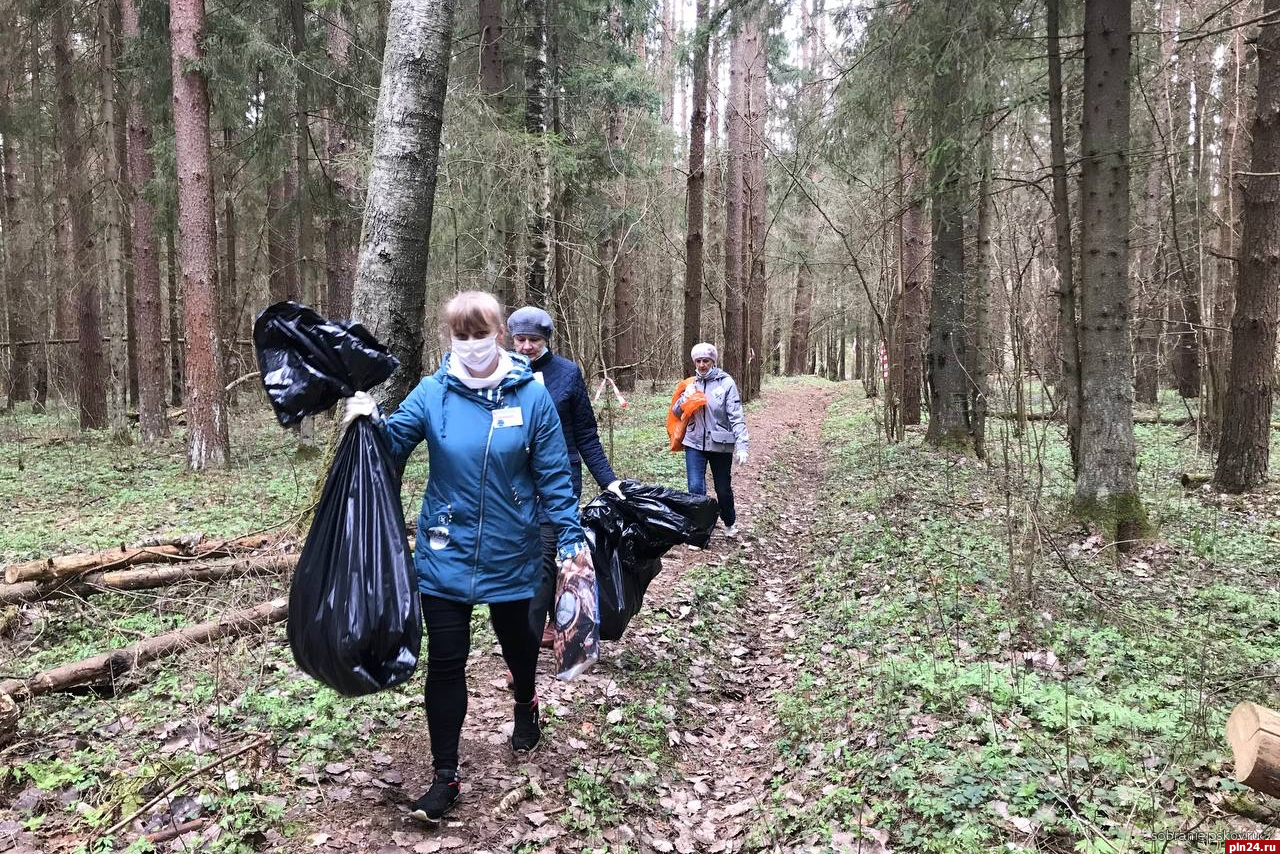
x=493, y=454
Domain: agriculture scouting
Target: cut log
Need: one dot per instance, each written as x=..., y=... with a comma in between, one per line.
x=1191, y=480
x=143, y=578
x=107, y=666
x=69, y=566
x=1254, y=734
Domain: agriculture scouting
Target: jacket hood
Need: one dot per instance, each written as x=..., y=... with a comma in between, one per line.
x=714, y=374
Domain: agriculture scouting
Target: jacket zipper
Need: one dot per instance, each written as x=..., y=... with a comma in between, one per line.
x=484, y=473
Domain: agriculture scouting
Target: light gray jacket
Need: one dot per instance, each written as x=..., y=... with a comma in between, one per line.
x=720, y=426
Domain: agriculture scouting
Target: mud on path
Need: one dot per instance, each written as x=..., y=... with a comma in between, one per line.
x=667, y=745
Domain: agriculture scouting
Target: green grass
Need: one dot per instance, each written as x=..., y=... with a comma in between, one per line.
x=938, y=704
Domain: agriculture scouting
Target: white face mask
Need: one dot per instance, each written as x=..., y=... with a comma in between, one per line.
x=476, y=354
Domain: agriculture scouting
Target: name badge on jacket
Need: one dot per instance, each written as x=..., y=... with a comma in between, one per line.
x=508, y=416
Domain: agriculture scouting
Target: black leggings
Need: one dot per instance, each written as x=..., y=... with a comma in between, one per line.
x=449, y=644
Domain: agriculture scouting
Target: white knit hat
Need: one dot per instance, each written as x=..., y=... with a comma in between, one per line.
x=704, y=351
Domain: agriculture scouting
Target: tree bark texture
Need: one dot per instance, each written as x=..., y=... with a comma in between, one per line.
x=1106, y=487
x=950, y=388
x=695, y=188
x=535, y=124
x=112, y=217
x=731, y=349
x=754, y=175
x=19, y=248
x=152, y=422
x=91, y=384
x=175, y=317
x=491, y=77
x=1069, y=355
x=339, y=239
x=207, y=441
x=1243, y=452
x=390, y=285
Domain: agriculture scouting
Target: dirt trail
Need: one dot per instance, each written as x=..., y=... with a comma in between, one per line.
x=710, y=783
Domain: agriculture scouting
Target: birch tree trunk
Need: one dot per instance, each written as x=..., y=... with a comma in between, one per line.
x=535, y=124
x=1246, y=427
x=207, y=442
x=1106, y=488
x=389, y=295
x=152, y=422
x=91, y=381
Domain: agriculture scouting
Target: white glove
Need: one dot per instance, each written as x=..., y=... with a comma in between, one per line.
x=360, y=403
x=616, y=489
x=579, y=562
x=740, y=456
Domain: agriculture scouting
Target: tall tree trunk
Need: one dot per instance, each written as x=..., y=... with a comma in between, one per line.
x=282, y=280
x=229, y=299
x=207, y=442
x=695, y=187
x=338, y=238
x=913, y=257
x=1232, y=147
x=950, y=418
x=981, y=350
x=491, y=77
x=753, y=324
x=1069, y=355
x=19, y=253
x=113, y=240
x=1106, y=488
x=1246, y=429
x=152, y=422
x=735, y=207
x=625, y=318
x=535, y=124
x=176, y=384
x=390, y=284
x=39, y=273
x=92, y=380
x=303, y=230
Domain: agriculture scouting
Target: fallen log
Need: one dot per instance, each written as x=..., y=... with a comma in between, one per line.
x=1191, y=480
x=142, y=578
x=1254, y=734
x=107, y=666
x=67, y=566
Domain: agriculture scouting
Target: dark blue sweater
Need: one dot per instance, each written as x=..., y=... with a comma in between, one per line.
x=568, y=390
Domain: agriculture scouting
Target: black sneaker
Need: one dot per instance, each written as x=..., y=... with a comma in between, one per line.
x=439, y=799
x=528, y=729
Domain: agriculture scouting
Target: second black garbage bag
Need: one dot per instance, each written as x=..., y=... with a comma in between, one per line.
x=355, y=621
x=629, y=537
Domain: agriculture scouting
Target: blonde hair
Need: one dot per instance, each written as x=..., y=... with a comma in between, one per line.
x=472, y=312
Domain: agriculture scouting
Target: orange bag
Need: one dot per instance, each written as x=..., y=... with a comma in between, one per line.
x=676, y=427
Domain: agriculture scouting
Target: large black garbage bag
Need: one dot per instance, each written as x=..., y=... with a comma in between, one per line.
x=628, y=539
x=355, y=621
x=309, y=362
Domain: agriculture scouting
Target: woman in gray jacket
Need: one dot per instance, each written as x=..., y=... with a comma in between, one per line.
x=716, y=434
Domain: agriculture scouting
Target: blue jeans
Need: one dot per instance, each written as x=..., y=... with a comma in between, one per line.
x=695, y=467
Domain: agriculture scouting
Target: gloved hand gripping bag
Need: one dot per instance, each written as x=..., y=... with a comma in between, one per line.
x=628, y=539
x=355, y=622
x=309, y=362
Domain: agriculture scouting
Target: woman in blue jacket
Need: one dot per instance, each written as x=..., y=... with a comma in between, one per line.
x=496, y=452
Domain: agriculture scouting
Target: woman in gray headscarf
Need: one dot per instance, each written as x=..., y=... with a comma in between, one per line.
x=717, y=433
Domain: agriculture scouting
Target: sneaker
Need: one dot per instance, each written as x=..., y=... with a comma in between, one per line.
x=548, y=638
x=731, y=531
x=528, y=728
x=439, y=799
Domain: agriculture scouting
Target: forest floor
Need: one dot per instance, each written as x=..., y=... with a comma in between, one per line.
x=906, y=651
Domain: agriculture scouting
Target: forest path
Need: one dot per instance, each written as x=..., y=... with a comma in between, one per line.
x=667, y=744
